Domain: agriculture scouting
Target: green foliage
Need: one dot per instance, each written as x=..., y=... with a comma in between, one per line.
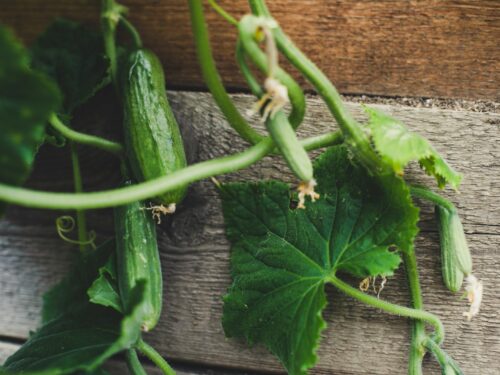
x=76, y=334
x=282, y=257
x=27, y=99
x=74, y=57
x=73, y=288
x=104, y=290
x=398, y=146
x=81, y=339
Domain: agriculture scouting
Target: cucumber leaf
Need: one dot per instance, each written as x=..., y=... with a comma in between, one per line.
x=27, y=99
x=282, y=257
x=74, y=57
x=72, y=289
x=104, y=290
x=398, y=146
x=80, y=340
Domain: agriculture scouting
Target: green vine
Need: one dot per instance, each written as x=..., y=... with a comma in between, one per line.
x=286, y=244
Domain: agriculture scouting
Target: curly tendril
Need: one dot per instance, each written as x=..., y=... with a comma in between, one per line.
x=66, y=224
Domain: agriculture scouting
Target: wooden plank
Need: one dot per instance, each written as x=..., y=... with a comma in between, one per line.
x=443, y=48
x=467, y=139
x=359, y=340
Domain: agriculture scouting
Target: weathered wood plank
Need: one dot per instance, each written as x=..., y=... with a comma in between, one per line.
x=445, y=49
x=359, y=340
x=468, y=140
x=195, y=254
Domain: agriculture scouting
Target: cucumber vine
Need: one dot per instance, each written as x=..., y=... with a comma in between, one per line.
x=352, y=212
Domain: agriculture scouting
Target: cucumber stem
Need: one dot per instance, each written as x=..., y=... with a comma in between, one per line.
x=417, y=351
x=247, y=27
x=136, y=38
x=212, y=78
x=424, y=193
x=155, y=357
x=108, y=25
x=133, y=363
x=444, y=360
x=355, y=136
x=223, y=13
x=85, y=139
x=115, y=197
x=391, y=307
x=81, y=221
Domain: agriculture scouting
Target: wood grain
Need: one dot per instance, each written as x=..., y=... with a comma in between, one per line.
x=194, y=251
x=445, y=48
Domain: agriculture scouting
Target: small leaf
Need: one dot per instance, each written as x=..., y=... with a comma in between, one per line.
x=398, y=146
x=104, y=290
x=74, y=57
x=73, y=288
x=281, y=258
x=80, y=340
x=26, y=100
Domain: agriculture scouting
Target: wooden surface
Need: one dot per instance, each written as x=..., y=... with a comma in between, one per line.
x=194, y=251
x=446, y=48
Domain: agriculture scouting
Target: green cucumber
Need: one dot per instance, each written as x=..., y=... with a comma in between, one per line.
x=138, y=259
x=456, y=261
x=287, y=142
x=152, y=137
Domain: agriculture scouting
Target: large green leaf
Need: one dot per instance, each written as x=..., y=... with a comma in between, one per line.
x=398, y=146
x=26, y=100
x=74, y=57
x=80, y=340
x=282, y=257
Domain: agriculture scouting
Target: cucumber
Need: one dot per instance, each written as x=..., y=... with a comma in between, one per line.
x=152, y=137
x=138, y=259
x=286, y=140
x=456, y=261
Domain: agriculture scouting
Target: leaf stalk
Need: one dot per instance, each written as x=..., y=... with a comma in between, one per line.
x=391, y=307
x=85, y=139
x=155, y=357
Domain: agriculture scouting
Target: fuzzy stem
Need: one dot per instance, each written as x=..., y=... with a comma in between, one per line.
x=255, y=87
x=136, y=38
x=445, y=361
x=424, y=193
x=223, y=13
x=323, y=140
x=247, y=27
x=212, y=78
x=124, y=195
x=390, y=307
x=133, y=363
x=355, y=137
x=155, y=357
x=85, y=139
x=81, y=221
x=108, y=26
x=418, y=334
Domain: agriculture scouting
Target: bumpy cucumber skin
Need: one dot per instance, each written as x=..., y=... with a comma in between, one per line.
x=138, y=258
x=285, y=138
x=152, y=137
x=455, y=255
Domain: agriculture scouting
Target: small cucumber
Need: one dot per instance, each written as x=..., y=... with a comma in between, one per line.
x=138, y=259
x=286, y=140
x=152, y=137
x=455, y=255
